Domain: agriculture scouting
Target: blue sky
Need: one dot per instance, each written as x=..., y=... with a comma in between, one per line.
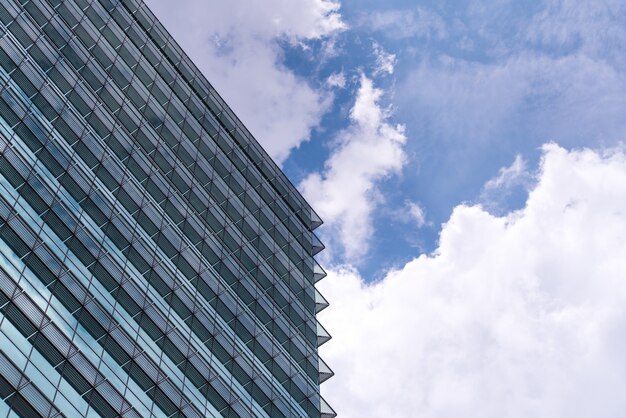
x=474, y=86
x=418, y=131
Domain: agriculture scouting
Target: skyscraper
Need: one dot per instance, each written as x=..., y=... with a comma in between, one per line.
x=153, y=259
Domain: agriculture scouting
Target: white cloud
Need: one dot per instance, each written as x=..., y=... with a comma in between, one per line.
x=508, y=176
x=385, y=61
x=572, y=99
x=369, y=150
x=419, y=22
x=516, y=316
x=411, y=213
x=235, y=44
x=336, y=80
x=555, y=71
x=416, y=213
x=496, y=192
x=593, y=27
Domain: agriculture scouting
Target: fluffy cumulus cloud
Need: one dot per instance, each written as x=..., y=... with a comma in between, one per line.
x=237, y=46
x=522, y=315
x=346, y=193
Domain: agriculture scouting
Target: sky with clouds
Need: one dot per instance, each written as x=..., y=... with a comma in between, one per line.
x=467, y=159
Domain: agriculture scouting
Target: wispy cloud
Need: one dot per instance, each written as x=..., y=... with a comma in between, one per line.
x=346, y=193
x=570, y=99
x=513, y=316
x=499, y=189
x=419, y=22
x=385, y=61
x=416, y=214
x=336, y=80
x=553, y=71
x=410, y=214
x=508, y=176
x=592, y=27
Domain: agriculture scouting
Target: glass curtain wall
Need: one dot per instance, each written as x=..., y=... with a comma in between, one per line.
x=154, y=261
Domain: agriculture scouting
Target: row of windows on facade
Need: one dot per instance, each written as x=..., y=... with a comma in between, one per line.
x=290, y=276
x=85, y=152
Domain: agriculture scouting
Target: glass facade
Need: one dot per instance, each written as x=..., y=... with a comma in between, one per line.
x=154, y=261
